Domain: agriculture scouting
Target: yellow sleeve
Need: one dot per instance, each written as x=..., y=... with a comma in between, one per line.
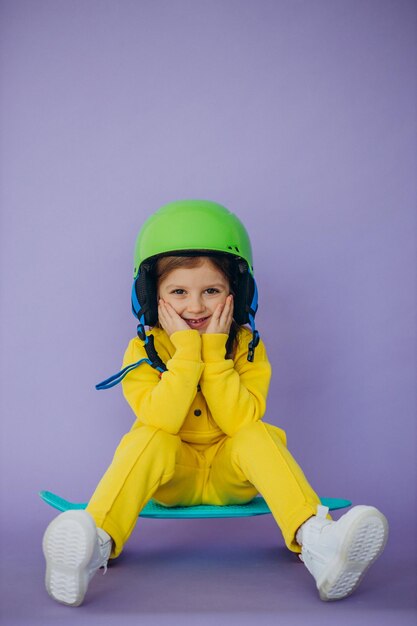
x=163, y=400
x=235, y=391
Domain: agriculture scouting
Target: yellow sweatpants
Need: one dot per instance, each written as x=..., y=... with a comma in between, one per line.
x=151, y=463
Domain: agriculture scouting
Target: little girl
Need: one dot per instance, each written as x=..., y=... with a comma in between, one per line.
x=197, y=382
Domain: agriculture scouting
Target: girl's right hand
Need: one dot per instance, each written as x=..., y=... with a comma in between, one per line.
x=169, y=318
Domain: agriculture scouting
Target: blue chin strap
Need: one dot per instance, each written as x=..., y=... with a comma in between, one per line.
x=153, y=359
x=117, y=378
x=148, y=341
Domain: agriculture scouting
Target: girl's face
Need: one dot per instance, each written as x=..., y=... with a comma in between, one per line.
x=194, y=293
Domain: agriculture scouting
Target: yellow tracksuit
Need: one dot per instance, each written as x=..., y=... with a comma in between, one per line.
x=199, y=438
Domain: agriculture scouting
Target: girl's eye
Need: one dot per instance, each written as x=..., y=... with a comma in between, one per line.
x=178, y=292
x=212, y=290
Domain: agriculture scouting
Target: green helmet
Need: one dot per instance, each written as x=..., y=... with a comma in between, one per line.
x=189, y=225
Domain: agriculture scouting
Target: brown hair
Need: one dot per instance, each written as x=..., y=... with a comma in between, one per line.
x=223, y=262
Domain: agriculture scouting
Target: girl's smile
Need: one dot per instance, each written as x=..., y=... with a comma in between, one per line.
x=199, y=323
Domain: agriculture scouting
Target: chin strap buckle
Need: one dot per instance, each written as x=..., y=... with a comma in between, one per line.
x=141, y=332
x=252, y=345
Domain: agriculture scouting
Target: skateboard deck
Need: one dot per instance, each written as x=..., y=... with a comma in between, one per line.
x=153, y=509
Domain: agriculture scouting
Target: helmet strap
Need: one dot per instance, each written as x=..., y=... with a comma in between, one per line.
x=154, y=359
x=251, y=315
x=148, y=340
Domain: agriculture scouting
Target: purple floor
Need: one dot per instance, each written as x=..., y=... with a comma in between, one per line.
x=210, y=572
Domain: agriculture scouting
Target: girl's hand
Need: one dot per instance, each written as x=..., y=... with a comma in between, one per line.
x=169, y=318
x=222, y=318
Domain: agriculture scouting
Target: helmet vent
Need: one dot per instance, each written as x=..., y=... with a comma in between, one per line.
x=234, y=248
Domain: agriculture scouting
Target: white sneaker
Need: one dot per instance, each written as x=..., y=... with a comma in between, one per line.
x=338, y=553
x=74, y=550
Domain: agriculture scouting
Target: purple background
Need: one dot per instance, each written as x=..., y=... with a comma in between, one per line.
x=300, y=117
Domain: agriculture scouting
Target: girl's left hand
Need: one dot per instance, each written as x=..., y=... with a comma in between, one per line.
x=221, y=320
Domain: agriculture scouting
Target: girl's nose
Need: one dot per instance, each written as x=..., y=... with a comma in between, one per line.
x=195, y=305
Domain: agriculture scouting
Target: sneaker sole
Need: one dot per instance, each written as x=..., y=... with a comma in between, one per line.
x=68, y=545
x=365, y=539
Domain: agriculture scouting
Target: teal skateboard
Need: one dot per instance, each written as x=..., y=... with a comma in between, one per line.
x=257, y=506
